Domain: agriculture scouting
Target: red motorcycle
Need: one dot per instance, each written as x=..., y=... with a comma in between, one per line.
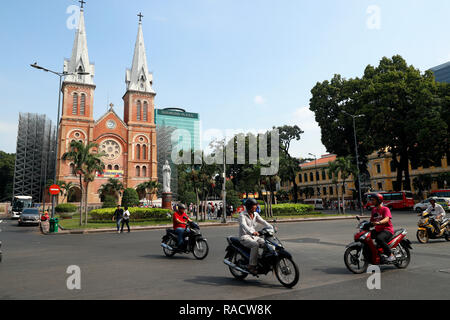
x=364, y=251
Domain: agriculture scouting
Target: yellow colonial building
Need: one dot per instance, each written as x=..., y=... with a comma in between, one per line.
x=313, y=181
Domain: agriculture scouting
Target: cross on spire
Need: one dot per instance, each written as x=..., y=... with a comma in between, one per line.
x=82, y=3
x=140, y=16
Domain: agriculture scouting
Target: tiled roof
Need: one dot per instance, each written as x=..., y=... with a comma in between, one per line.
x=324, y=160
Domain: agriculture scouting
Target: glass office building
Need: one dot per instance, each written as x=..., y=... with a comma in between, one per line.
x=188, y=124
x=442, y=72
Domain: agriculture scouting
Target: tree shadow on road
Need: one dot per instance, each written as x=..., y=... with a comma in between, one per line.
x=337, y=271
x=163, y=257
x=230, y=281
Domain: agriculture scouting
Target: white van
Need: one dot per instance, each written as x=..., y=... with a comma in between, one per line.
x=317, y=203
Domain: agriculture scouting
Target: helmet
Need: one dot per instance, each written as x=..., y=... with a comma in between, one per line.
x=250, y=203
x=181, y=206
x=433, y=199
x=377, y=196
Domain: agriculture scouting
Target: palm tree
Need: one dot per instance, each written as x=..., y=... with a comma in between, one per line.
x=149, y=188
x=346, y=168
x=112, y=187
x=86, y=164
x=333, y=174
x=66, y=188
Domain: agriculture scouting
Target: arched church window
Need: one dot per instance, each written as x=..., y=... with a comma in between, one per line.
x=145, y=111
x=116, y=167
x=83, y=104
x=72, y=169
x=138, y=152
x=75, y=104
x=144, y=171
x=109, y=167
x=144, y=152
x=139, y=111
x=138, y=171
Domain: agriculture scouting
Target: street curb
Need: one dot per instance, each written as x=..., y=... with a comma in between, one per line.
x=203, y=225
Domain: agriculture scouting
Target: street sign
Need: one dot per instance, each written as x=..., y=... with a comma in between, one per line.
x=54, y=190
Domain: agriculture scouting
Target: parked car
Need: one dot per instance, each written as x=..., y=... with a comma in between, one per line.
x=422, y=206
x=317, y=203
x=30, y=217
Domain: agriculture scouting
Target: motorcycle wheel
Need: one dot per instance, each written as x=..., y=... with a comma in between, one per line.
x=238, y=260
x=353, y=261
x=200, y=250
x=170, y=253
x=287, y=273
x=405, y=262
x=422, y=236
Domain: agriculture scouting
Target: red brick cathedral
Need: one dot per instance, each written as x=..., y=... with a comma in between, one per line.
x=130, y=143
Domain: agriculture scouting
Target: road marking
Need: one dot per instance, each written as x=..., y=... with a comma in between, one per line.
x=445, y=271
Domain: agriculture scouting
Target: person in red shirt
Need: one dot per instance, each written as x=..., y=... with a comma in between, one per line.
x=384, y=230
x=180, y=222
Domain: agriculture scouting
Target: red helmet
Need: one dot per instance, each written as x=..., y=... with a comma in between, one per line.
x=377, y=196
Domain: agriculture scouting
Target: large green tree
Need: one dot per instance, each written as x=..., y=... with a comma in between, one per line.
x=403, y=111
x=7, y=163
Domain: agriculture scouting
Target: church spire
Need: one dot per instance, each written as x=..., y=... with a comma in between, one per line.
x=79, y=62
x=138, y=78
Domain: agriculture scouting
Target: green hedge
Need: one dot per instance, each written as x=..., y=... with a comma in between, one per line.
x=66, y=208
x=290, y=209
x=142, y=214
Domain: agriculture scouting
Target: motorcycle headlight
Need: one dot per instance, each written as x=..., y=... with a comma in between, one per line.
x=364, y=236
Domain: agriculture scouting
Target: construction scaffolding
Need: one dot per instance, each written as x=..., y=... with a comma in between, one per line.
x=164, y=143
x=35, y=155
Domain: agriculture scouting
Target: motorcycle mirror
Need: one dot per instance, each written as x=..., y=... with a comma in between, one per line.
x=357, y=218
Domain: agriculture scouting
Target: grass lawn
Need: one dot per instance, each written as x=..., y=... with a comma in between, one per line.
x=74, y=224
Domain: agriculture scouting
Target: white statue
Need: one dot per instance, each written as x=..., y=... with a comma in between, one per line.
x=166, y=177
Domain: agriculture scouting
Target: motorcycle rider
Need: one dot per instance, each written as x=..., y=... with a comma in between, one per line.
x=248, y=235
x=437, y=214
x=180, y=221
x=384, y=230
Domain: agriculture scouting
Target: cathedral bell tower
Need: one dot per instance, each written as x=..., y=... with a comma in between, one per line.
x=139, y=111
x=77, y=121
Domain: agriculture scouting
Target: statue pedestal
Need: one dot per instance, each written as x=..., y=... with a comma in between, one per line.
x=167, y=200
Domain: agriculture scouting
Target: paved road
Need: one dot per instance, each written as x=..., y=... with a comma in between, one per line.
x=132, y=266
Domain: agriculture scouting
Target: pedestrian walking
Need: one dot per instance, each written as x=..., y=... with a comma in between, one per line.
x=118, y=215
x=126, y=220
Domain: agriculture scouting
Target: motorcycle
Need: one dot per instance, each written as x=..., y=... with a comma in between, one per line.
x=193, y=242
x=274, y=258
x=426, y=230
x=359, y=254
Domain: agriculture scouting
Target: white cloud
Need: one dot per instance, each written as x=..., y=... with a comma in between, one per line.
x=259, y=100
x=310, y=141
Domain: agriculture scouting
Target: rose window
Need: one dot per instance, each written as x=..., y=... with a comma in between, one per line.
x=111, y=149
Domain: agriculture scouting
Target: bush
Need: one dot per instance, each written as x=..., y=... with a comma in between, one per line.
x=109, y=202
x=130, y=198
x=66, y=208
x=141, y=214
x=290, y=209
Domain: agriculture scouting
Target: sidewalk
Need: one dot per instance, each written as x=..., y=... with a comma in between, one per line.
x=204, y=225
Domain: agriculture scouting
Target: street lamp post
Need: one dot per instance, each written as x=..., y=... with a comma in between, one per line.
x=61, y=75
x=357, y=156
x=224, y=190
x=315, y=174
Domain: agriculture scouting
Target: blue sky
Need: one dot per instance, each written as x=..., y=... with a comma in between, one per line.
x=240, y=64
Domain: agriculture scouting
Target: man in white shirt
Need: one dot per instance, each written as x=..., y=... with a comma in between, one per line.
x=126, y=220
x=249, y=237
x=438, y=213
